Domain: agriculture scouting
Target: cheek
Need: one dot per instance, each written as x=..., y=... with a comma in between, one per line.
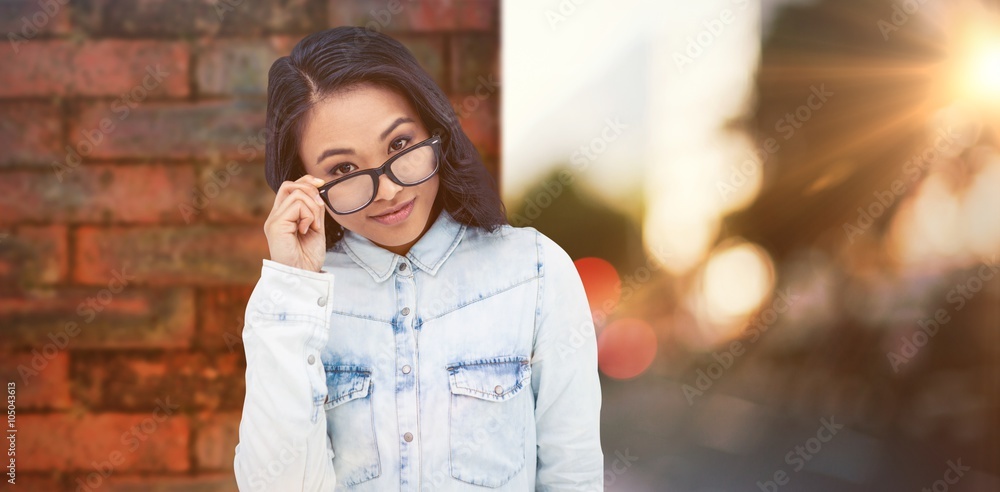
x=430, y=188
x=347, y=221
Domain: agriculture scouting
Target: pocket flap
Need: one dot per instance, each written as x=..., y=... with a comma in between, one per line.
x=498, y=378
x=346, y=383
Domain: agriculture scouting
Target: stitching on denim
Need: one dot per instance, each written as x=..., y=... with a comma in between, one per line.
x=454, y=244
x=486, y=296
x=371, y=271
x=294, y=317
x=353, y=392
x=500, y=359
x=362, y=316
x=522, y=371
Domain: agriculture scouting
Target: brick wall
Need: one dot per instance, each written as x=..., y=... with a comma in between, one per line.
x=132, y=202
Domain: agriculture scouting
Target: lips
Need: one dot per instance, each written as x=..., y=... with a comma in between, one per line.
x=394, y=210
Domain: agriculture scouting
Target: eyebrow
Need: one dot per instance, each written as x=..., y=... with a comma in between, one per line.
x=399, y=121
x=331, y=152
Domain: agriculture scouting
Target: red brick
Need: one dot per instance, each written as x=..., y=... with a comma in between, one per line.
x=30, y=133
x=42, y=384
x=98, y=193
x=229, y=66
x=95, y=68
x=34, y=255
x=110, y=380
x=75, y=442
x=171, y=130
x=140, y=68
x=479, y=15
x=133, y=318
x=431, y=15
x=182, y=18
x=43, y=68
x=429, y=50
x=423, y=16
x=475, y=62
x=480, y=121
x=26, y=19
x=212, y=255
x=221, y=313
x=438, y=15
x=42, y=482
x=359, y=13
x=216, y=436
x=245, y=198
x=211, y=482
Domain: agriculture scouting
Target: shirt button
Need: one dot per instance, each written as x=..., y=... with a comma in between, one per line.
x=406, y=369
x=408, y=437
x=498, y=390
x=321, y=301
x=312, y=360
x=402, y=267
x=405, y=311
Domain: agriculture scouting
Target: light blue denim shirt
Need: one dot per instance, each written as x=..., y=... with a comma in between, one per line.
x=468, y=364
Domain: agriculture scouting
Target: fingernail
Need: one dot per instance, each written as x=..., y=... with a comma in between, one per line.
x=317, y=181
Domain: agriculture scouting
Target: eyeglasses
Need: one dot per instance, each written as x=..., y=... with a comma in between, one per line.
x=412, y=166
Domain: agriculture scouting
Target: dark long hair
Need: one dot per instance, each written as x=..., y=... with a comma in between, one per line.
x=336, y=58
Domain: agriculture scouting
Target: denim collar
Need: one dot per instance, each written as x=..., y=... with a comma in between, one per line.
x=428, y=253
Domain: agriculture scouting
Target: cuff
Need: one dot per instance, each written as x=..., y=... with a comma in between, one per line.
x=290, y=292
x=323, y=274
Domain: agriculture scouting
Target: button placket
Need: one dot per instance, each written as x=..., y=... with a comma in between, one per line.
x=407, y=358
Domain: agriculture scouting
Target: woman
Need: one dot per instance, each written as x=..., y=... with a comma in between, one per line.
x=403, y=336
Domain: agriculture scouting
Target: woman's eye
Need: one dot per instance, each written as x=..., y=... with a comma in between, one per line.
x=398, y=144
x=342, y=168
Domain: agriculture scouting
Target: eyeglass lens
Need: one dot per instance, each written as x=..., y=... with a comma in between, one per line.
x=411, y=168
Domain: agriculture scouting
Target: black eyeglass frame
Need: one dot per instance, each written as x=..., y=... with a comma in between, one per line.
x=434, y=141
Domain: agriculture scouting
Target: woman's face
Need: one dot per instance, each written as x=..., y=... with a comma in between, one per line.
x=360, y=128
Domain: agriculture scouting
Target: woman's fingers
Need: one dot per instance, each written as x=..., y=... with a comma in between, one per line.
x=301, y=209
x=316, y=209
x=306, y=183
x=297, y=209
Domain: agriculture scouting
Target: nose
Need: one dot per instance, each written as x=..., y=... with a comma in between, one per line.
x=386, y=189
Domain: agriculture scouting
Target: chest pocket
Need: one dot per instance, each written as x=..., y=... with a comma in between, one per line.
x=487, y=418
x=350, y=422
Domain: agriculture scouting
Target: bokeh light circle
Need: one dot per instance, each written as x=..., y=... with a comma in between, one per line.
x=601, y=282
x=626, y=348
x=736, y=280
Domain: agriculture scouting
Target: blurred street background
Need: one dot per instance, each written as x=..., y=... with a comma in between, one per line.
x=786, y=214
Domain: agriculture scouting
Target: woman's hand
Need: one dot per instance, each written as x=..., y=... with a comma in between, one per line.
x=295, y=228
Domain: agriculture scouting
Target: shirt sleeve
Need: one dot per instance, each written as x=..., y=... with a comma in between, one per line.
x=565, y=380
x=283, y=441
